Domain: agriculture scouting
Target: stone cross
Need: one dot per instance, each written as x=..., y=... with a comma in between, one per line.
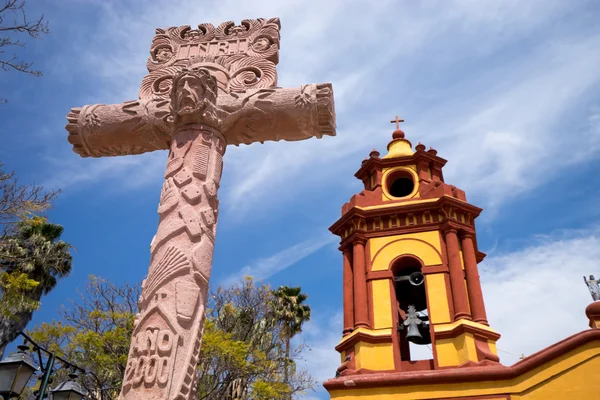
x=207, y=87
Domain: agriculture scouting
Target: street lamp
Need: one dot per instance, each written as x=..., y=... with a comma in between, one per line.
x=17, y=368
x=69, y=390
x=15, y=372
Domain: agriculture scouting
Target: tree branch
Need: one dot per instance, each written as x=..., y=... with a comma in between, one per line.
x=19, y=25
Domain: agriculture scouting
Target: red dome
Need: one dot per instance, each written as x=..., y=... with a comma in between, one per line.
x=398, y=134
x=593, y=310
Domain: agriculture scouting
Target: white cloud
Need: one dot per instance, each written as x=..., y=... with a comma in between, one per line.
x=123, y=173
x=536, y=296
x=321, y=334
x=264, y=268
x=501, y=83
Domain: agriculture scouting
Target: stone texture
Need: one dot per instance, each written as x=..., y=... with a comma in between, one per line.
x=207, y=88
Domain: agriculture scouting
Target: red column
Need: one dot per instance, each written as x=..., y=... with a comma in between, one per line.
x=348, y=292
x=473, y=283
x=457, y=276
x=361, y=312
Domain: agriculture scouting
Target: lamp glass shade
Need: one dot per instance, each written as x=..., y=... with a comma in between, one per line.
x=15, y=372
x=69, y=390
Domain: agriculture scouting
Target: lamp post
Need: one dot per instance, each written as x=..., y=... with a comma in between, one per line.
x=18, y=367
x=15, y=372
x=69, y=390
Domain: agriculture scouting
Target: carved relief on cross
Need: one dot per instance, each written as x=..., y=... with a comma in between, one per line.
x=207, y=88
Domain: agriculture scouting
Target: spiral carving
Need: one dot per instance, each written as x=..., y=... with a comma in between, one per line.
x=252, y=73
x=158, y=83
x=229, y=30
x=265, y=43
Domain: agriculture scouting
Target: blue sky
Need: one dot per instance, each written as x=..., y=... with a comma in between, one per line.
x=507, y=91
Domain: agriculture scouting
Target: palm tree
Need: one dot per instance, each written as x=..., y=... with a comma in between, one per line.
x=293, y=313
x=32, y=259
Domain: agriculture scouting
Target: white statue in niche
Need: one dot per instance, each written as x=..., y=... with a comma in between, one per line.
x=593, y=286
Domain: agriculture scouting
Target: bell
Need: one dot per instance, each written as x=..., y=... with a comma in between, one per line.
x=414, y=323
x=413, y=334
x=415, y=279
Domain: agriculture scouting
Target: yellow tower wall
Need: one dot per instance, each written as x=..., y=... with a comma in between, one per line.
x=426, y=246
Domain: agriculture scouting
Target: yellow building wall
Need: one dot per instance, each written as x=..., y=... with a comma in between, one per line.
x=456, y=351
x=382, y=304
x=573, y=375
x=425, y=245
x=374, y=356
x=439, y=311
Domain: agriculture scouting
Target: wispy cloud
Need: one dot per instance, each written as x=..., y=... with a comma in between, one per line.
x=264, y=268
x=486, y=84
x=536, y=296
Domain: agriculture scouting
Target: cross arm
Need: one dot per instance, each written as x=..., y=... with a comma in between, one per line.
x=132, y=127
x=278, y=114
x=256, y=115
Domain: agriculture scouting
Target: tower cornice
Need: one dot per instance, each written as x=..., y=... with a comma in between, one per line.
x=446, y=209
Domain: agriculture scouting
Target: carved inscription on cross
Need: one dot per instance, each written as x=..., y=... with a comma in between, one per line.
x=207, y=87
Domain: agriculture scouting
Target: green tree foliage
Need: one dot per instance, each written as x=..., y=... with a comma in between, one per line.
x=243, y=354
x=293, y=312
x=94, y=333
x=32, y=259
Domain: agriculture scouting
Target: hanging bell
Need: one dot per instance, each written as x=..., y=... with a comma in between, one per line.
x=413, y=322
x=413, y=334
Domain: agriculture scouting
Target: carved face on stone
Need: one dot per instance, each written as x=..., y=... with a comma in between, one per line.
x=190, y=94
x=163, y=54
x=193, y=95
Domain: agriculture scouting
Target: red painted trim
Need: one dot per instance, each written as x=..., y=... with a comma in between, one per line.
x=362, y=337
x=460, y=329
x=395, y=336
x=436, y=269
x=403, y=209
x=348, y=292
x=457, y=277
x=468, y=374
x=376, y=163
x=487, y=397
x=417, y=365
x=472, y=276
x=361, y=313
x=379, y=275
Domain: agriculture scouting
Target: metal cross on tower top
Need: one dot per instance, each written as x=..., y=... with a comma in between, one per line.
x=397, y=121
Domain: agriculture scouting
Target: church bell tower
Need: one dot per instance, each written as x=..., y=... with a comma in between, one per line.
x=410, y=268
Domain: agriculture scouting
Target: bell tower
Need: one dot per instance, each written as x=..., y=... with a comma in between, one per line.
x=410, y=268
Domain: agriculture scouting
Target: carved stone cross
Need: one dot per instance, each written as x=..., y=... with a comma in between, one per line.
x=206, y=88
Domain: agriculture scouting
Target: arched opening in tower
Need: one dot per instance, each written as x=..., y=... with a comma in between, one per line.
x=411, y=314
